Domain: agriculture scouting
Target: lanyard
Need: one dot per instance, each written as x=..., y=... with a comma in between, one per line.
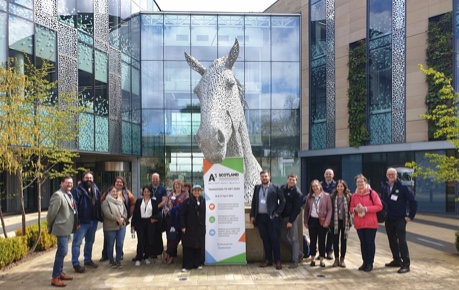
x=316, y=203
x=264, y=189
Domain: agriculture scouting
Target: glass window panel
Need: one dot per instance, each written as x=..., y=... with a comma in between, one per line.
x=85, y=58
x=85, y=19
x=20, y=37
x=136, y=102
x=259, y=128
x=230, y=28
x=101, y=79
x=101, y=134
x=101, y=66
x=257, y=38
x=114, y=21
x=204, y=37
x=152, y=84
x=152, y=37
x=125, y=9
x=258, y=84
x=127, y=138
x=66, y=10
x=153, y=132
x=125, y=39
x=3, y=34
x=136, y=139
x=281, y=167
x=380, y=18
x=126, y=91
x=45, y=43
x=85, y=74
x=135, y=37
x=285, y=133
x=21, y=11
x=286, y=85
x=25, y=3
x=177, y=87
x=86, y=132
x=286, y=38
x=176, y=36
x=178, y=123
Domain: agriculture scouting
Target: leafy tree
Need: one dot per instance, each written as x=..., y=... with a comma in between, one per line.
x=446, y=120
x=36, y=127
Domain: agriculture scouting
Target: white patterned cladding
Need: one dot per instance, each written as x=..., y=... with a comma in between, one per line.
x=45, y=13
x=398, y=71
x=114, y=84
x=330, y=72
x=101, y=25
x=67, y=40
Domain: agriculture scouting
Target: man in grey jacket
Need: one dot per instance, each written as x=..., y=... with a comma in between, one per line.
x=62, y=221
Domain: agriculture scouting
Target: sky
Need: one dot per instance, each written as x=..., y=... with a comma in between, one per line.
x=215, y=5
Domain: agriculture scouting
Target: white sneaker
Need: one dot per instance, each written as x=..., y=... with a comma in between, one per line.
x=184, y=270
x=137, y=263
x=147, y=261
x=199, y=268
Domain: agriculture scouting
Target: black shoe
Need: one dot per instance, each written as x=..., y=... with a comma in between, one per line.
x=368, y=268
x=404, y=269
x=79, y=269
x=361, y=268
x=103, y=259
x=91, y=264
x=394, y=263
x=313, y=264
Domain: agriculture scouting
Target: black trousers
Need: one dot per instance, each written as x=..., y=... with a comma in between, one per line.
x=316, y=232
x=337, y=238
x=145, y=239
x=191, y=258
x=396, y=233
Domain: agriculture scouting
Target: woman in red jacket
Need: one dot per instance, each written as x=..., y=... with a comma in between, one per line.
x=365, y=203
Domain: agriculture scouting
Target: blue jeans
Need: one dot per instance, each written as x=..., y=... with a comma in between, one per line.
x=118, y=236
x=61, y=252
x=269, y=234
x=88, y=232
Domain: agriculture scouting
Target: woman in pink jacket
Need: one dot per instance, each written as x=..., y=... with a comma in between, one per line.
x=365, y=203
x=317, y=217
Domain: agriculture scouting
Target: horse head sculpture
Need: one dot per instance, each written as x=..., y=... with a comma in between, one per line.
x=223, y=129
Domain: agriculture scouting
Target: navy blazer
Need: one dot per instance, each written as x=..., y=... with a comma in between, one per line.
x=275, y=201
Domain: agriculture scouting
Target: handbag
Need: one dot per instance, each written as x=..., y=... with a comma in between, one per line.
x=382, y=214
x=321, y=221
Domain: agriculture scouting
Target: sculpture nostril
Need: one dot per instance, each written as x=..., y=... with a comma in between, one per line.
x=220, y=137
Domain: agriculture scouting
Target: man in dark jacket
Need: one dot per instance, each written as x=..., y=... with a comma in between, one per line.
x=87, y=198
x=397, y=195
x=289, y=220
x=268, y=202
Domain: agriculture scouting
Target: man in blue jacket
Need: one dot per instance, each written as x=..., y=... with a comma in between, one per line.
x=87, y=197
x=397, y=195
x=268, y=202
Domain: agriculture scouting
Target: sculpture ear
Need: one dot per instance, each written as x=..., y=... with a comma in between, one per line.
x=195, y=64
x=233, y=54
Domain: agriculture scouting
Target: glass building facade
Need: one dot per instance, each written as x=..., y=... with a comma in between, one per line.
x=268, y=66
x=126, y=60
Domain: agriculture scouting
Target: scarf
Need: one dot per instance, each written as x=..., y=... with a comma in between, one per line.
x=116, y=205
x=346, y=216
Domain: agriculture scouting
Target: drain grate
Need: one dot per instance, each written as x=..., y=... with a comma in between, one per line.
x=183, y=279
x=320, y=276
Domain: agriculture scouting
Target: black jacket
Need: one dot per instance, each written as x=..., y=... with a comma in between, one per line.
x=275, y=201
x=193, y=219
x=136, y=217
x=293, y=202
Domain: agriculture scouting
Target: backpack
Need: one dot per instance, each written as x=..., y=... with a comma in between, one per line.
x=382, y=214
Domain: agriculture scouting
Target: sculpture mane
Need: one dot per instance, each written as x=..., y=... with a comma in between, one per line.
x=223, y=130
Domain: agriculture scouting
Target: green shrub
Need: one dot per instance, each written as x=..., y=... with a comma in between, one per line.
x=457, y=241
x=12, y=250
x=46, y=239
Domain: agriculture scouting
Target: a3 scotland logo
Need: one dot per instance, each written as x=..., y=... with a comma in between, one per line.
x=212, y=177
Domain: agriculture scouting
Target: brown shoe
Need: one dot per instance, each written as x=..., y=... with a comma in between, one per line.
x=341, y=263
x=278, y=266
x=57, y=282
x=265, y=264
x=64, y=276
x=336, y=263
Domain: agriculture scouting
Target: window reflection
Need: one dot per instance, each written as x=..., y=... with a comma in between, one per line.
x=204, y=37
x=258, y=84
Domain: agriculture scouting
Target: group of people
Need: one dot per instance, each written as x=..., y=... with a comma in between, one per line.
x=79, y=209
x=329, y=209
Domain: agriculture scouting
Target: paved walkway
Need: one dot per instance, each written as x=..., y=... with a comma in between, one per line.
x=435, y=265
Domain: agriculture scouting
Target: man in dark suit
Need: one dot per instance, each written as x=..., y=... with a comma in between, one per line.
x=268, y=202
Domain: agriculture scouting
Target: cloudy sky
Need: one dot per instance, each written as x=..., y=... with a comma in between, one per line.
x=215, y=5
